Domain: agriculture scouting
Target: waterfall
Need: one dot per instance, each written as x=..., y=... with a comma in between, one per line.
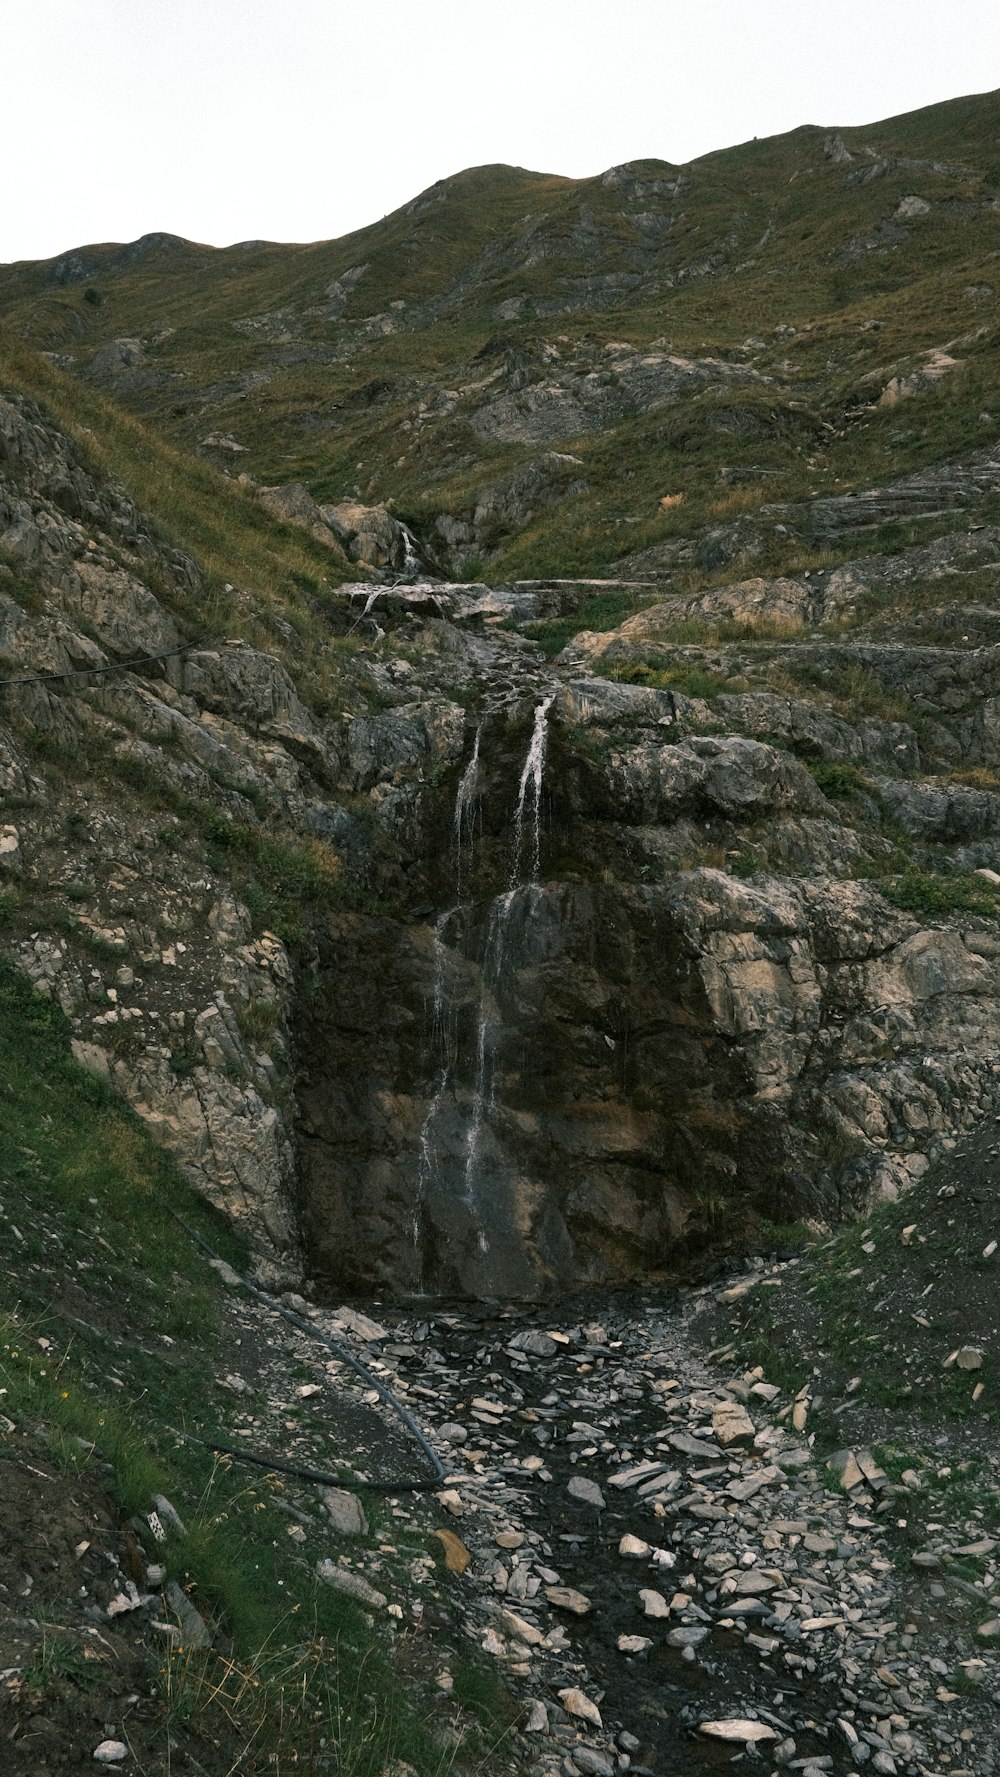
x=524, y=862
x=531, y=780
x=444, y=1044
x=463, y=823
x=370, y=602
x=495, y=952
x=444, y=1016
x=411, y=560
x=491, y=976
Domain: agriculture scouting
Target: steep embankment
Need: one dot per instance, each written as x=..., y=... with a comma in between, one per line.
x=585, y=960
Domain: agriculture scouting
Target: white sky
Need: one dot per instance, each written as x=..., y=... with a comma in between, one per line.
x=228, y=120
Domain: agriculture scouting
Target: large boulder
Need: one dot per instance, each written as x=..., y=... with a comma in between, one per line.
x=294, y=504
x=371, y=535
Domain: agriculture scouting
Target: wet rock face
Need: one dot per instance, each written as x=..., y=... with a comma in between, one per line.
x=652, y=1049
x=560, y=1189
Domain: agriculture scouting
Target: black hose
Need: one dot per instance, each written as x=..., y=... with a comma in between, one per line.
x=114, y=666
x=316, y=1476
x=339, y=1351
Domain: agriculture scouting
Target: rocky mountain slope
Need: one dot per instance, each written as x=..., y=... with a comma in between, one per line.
x=645, y=1549
x=536, y=369
x=500, y=771
x=492, y=937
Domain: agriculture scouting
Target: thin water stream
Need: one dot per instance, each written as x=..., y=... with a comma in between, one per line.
x=495, y=976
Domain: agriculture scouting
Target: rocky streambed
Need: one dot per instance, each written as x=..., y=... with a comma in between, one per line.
x=643, y=1537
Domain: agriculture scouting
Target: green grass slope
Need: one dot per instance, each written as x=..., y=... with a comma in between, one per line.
x=113, y=1332
x=358, y=365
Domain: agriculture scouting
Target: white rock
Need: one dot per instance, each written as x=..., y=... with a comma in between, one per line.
x=167, y=1515
x=640, y=1471
x=653, y=1603
x=575, y=1702
x=345, y=1511
x=634, y=1644
x=351, y=1584
x=755, y=1582
x=10, y=850
x=110, y=1752
x=732, y=1424
x=91, y=1056
x=128, y=1600
x=360, y=1325
x=593, y=1762
x=509, y=1539
x=520, y=1628
x=746, y=1733
x=535, y=1343
x=586, y=1491
x=567, y=1598
x=193, y=1625
x=633, y=1548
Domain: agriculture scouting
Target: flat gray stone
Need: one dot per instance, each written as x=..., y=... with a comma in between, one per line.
x=345, y=1511
x=351, y=1584
x=586, y=1491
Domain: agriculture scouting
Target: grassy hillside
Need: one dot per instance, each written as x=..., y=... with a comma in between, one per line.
x=360, y=365
x=115, y=1334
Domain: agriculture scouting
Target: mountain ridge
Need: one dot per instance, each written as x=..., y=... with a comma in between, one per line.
x=312, y=360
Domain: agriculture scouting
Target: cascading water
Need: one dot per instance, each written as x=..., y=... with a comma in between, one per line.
x=524, y=861
x=444, y=1044
x=371, y=600
x=531, y=780
x=494, y=963
x=411, y=561
x=463, y=823
x=444, y=1014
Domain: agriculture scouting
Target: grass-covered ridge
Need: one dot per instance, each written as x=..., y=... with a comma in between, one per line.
x=872, y=1319
x=359, y=365
x=194, y=507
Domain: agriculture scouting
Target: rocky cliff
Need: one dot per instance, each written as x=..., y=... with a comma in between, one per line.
x=701, y=1008
x=587, y=971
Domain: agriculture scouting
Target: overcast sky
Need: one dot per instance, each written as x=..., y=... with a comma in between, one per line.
x=228, y=120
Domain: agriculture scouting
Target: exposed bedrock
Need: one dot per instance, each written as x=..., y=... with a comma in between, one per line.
x=633, y=982
x=655, y=1050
